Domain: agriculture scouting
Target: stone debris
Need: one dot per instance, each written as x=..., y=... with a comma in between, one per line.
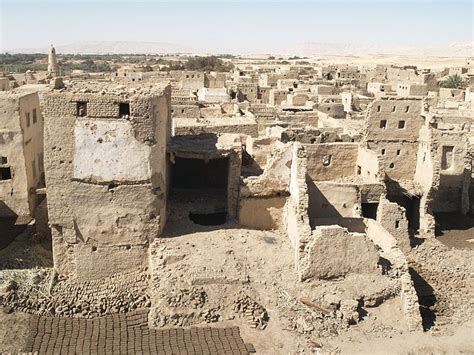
x=255, y=315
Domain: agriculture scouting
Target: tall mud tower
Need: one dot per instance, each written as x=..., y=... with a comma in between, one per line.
x=106, y=177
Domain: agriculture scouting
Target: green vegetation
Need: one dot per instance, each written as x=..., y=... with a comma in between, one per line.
x=20, y=63
x=211, y=63
x=453, y=82
x=87, y=65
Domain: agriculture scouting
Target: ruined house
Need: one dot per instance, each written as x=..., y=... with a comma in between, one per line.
x=107, y=173
x=21, y=153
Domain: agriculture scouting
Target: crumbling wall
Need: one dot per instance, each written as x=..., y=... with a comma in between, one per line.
x=333, y=252
x=21, y=152
x=368, y=165
x=183, y=126
x=330, y=161
x=263, y=213
x=188, y=111
x=332, y=200
x=263, y=197
x=393, y=127
x=392, y=217
x=392, y=252
x=107, y=203
x=397, y=159
x=297, y=219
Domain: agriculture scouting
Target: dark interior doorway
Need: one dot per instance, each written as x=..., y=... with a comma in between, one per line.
x=199, y=190
x=369, y=210
x=200, y=174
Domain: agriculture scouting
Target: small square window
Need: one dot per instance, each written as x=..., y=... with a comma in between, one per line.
x=383, y=124
x=81, y=109
x=327, y=160
x=3, y=160
x=5, y=174
x=401, y=124
x=34, y=115
x=124, y=109
x=397, y=224
x=383, y=152
x=391, y=166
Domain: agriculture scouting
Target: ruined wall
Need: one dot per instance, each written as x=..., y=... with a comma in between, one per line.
x=392, y=217
x=394, y=120
x=330, y=161
x=215, y=126
x=192, y=80
x=334, y=110
x=334, y=252
x=21, y=153
x=297, y=219
x=444, y=170
x=263, y=213
x=392, y=252
x=33, y=145
x=106, y=180
x=13, y=191
x=188, y=111
x=332, y=201
x=368, y=165
x=396, y=159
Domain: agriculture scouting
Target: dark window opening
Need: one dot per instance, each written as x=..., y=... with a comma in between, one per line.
x=81, y=109
x=5, y=174
x=383, y=151
x=3, y=160
x=379, y=108
x=34, y=115
x=369, y=210
x=397, y=224
x=401, y=124
x=398, y=151
x=391, y=165
x=208, y=219
x=359, y=170
x=383, y=124
x=199, y=174
x=124, y=109
x=394, y=108
x=407, y=109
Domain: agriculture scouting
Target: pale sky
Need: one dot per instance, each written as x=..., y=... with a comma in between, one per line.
x=233, y=26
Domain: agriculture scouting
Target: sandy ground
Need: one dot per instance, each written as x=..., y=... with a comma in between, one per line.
x=227, y=261
x=13, y=331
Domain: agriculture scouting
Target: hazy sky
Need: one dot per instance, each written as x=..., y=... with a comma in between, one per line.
x=230, y=26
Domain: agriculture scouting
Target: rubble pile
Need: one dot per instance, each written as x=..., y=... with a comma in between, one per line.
x=253, y=312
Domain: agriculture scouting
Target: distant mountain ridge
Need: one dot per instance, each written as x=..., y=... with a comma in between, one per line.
x=112, y=47
x=302, y=49
x=321, y=49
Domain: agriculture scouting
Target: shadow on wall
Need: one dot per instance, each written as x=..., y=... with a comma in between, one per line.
x=452, y=221
x=315, y=199
x=11, y=225
x=426, y=299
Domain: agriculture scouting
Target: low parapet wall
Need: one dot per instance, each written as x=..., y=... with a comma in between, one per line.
x=392, y=252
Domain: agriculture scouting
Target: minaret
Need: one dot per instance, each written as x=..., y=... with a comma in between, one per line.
x=53, y=68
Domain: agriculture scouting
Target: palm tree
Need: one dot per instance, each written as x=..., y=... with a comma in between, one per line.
x=453, y=82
